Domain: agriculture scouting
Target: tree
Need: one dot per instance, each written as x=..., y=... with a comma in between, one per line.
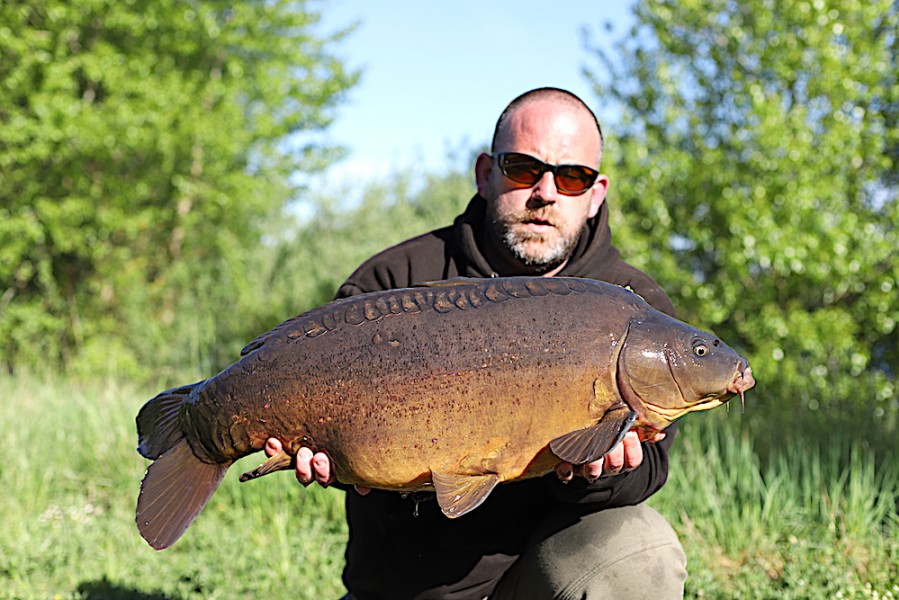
x=143, y=146
x=755, y=166
x=325, y=248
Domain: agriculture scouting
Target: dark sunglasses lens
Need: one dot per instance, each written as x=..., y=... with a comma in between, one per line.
x=522, y=168
x=527, y=170
x=575, y=179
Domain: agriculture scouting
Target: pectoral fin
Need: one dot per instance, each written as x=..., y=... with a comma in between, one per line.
x=459, y=494
x=586, y=445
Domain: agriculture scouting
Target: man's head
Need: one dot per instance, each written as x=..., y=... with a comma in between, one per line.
x=536, y=226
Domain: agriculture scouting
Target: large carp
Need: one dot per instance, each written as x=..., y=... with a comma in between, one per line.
x=452, y=387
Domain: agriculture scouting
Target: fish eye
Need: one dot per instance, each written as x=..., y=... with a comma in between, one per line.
x=700, y=349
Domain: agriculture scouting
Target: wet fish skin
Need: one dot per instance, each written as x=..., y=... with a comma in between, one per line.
x=456, y=386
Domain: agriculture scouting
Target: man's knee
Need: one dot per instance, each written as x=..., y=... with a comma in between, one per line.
x=629, y=552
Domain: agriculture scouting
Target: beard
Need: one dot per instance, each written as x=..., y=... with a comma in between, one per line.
x=539, y=250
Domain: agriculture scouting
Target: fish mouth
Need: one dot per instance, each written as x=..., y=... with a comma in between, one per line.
x=742, y=381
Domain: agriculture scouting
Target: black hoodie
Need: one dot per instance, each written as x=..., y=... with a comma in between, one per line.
x=404, y=547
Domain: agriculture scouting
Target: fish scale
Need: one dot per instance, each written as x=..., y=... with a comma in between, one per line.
x=451, y=387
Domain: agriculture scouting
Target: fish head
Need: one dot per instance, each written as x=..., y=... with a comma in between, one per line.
x=667, y=369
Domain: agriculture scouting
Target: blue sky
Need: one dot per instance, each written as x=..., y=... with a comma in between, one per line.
x=436, y=75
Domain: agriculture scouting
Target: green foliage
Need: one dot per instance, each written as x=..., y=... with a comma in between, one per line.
x=320, y=253
x=143, y=147
x=755, y=167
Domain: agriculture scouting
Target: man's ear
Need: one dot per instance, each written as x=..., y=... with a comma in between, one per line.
x=598, y=194
x=483, y=169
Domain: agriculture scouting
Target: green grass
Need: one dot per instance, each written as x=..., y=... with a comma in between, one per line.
x=819, y=521
x=70, y=475
x=812, y=523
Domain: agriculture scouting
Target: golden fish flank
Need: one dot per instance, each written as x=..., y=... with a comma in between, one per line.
x=435, y=388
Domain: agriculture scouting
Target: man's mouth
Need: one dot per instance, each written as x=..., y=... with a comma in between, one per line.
x=538, y=225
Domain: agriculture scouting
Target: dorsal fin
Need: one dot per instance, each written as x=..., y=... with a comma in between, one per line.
x=449, y=282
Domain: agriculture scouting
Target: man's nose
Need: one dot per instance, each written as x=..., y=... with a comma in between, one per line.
x=545, y=189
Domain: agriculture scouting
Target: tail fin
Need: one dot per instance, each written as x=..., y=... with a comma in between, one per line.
x=159, y=422
x=178, y=485
x=173, y=492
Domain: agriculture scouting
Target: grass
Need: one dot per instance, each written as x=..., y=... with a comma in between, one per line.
x=810, y=523
x=70, y=476
x=818, y=521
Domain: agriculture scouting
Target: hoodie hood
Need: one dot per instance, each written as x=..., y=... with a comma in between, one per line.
x=593, y=257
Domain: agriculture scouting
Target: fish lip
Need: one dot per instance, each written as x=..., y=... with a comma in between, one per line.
x=742, y=380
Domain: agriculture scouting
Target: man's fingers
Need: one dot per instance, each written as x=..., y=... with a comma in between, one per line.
x=592, y=471
x=633, y=451
x=565, y=472
x=614, y=460
x=321, y=465
x=272, y=446
x=304, y=466
x=626, y=456
x=309, y=466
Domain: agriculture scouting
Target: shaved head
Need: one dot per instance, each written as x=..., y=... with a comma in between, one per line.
x=548, y=94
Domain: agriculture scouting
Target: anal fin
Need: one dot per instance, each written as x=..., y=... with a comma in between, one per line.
x=460, y=494
x=589, y=444
x=277, y=462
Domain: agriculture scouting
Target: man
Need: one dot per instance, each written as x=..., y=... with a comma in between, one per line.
x=538, y=211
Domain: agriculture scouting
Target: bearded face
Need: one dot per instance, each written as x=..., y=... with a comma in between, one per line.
x=542, y=237
x=529, y=219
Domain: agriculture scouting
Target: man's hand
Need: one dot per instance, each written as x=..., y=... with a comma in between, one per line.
x=310, y=466
x=626, y=456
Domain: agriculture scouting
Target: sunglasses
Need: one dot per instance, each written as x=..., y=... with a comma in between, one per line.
x=571, y=180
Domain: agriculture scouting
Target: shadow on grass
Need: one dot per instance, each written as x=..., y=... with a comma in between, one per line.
x=107, y=590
